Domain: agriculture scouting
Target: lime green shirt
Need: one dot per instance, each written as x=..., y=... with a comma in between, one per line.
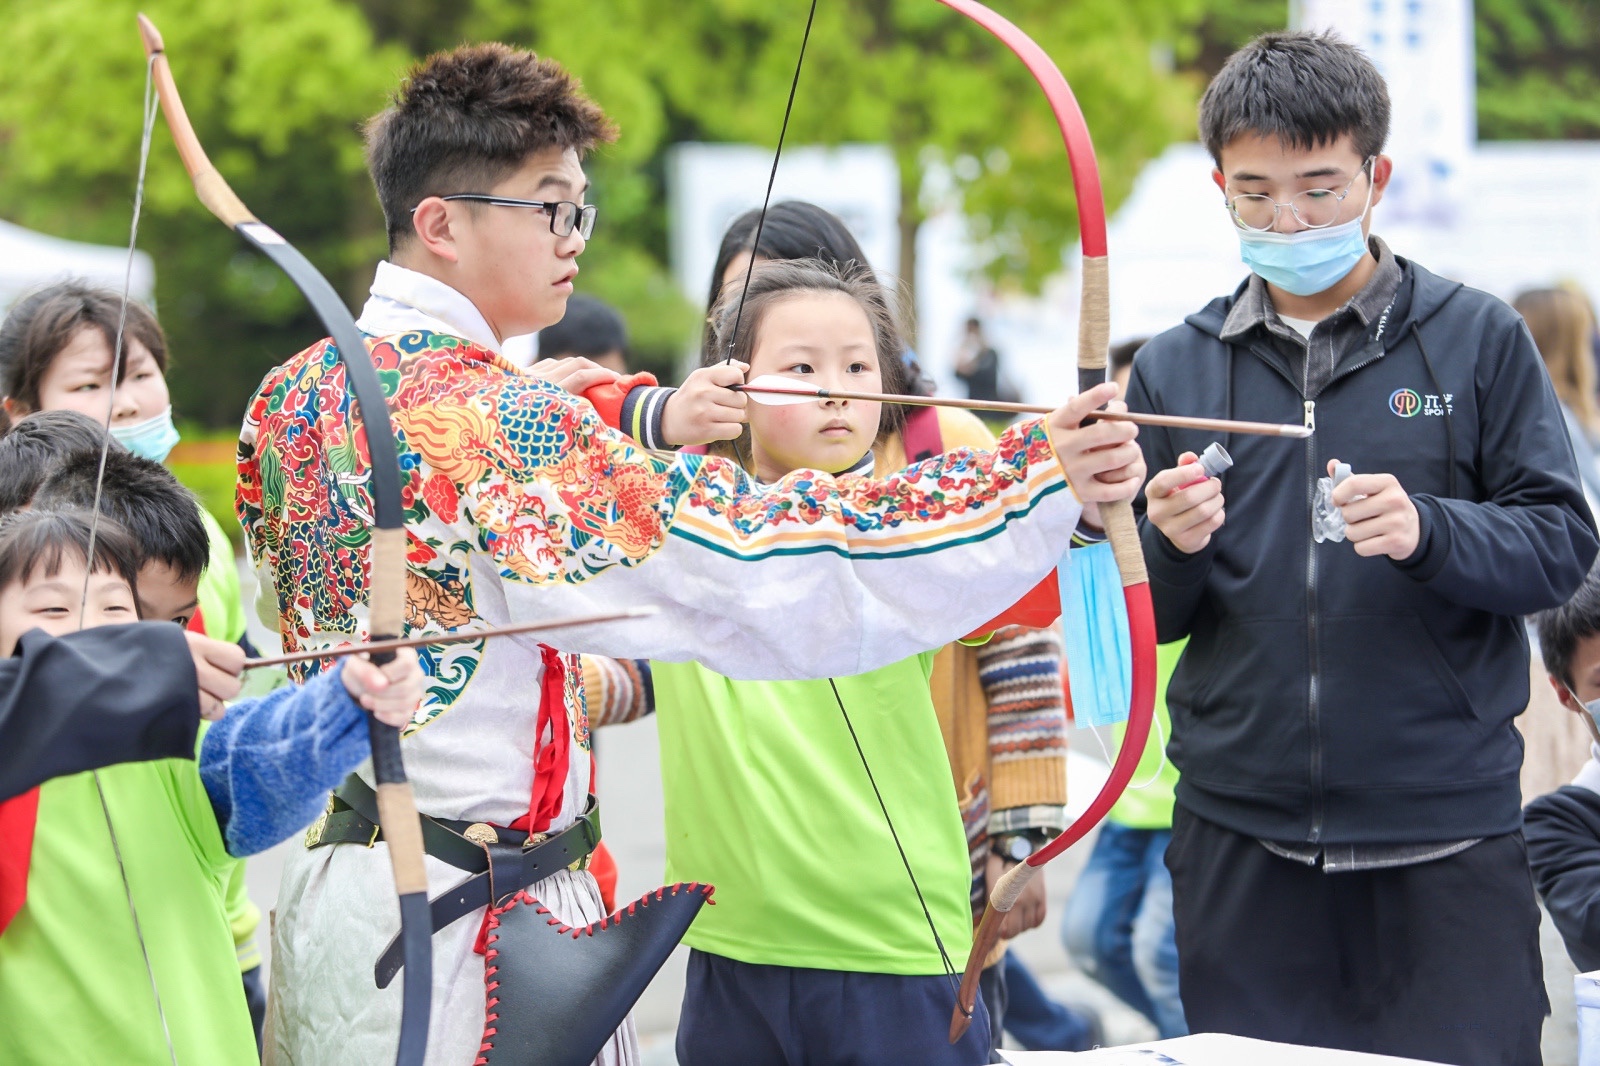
x=221, y=605
x=222, y=610
x=767, y=800
x=73, y=982
x=1150, y=807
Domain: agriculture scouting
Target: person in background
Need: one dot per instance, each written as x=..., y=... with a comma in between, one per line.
x=591, y=329
x=978, y=365
x=57, y=345
x=1563, y=330
x=113, y=883
x=1118, y=921
x=1562, y=326
x=33, y=445
x=1563, y=827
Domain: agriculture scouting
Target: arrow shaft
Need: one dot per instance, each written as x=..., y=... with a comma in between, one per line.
x=1211, y=425
x=458, y=637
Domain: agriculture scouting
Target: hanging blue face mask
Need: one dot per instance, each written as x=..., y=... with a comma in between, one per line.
x=153, y=438
x=1094, y=623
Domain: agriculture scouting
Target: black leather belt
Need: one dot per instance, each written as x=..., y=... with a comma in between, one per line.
x=502, y=861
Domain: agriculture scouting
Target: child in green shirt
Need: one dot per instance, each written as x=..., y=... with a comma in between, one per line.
x=821, y=947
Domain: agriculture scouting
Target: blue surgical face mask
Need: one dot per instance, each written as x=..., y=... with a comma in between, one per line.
x=1307, y=262
x=151, y=439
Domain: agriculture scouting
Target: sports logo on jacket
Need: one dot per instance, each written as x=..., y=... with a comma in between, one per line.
x=1408, y=402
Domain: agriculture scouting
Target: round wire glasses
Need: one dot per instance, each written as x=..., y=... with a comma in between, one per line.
x=1312, y=208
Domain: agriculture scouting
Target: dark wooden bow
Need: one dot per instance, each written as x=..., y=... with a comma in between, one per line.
x=402, y=829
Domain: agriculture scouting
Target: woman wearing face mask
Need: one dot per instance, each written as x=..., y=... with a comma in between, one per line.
x=56, y=353
x=56, y=349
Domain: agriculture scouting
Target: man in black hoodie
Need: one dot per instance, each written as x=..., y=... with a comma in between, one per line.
x=1347, y=862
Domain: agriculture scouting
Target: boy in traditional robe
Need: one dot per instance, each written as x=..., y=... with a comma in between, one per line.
x=523, y=504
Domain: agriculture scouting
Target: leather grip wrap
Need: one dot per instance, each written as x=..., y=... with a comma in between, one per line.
x=397, y=813
x=387, y=599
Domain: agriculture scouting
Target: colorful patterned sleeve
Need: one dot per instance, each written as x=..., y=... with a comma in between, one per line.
x=1020, y=670
x=812, y=576
x=616, y=691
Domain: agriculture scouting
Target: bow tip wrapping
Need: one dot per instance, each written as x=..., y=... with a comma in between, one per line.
x=150, y=36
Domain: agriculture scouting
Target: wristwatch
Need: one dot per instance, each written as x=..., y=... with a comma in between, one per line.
x=1017, y=847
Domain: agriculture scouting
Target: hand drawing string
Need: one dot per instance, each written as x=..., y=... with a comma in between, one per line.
x=149, y=115
x=772, y=177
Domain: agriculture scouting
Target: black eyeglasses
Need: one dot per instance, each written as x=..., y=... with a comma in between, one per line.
x=565, y=216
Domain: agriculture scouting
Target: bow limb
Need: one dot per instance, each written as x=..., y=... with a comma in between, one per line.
x=1094, y=334
x=401, y=826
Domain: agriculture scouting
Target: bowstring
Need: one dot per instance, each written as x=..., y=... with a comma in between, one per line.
x=151, y=106
x=938, y=942
x=772, y=177
x=749, y=270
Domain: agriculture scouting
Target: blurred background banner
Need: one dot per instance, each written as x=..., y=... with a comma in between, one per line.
x=28, y=260
x=1423, y=48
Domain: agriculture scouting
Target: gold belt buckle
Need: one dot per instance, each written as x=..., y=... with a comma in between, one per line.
x=314, y=831
x=481, y=833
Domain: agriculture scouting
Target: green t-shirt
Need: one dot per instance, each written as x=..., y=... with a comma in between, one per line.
x=221, y=604
x=1150, y=806
x=73, y=982
x=767, y=800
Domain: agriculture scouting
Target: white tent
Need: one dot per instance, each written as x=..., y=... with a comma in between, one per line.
x=29, y=260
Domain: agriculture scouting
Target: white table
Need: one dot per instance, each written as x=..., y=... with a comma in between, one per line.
x=1206, y=1049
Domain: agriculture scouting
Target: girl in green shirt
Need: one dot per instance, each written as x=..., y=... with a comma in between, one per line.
x=820, y=947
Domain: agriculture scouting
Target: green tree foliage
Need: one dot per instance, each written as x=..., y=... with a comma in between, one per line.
x=1538, y=69
x=1538, y=61
x=909, y=73
x=277, y=90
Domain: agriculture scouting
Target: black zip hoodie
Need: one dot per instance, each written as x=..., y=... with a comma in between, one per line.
x=1330, y=698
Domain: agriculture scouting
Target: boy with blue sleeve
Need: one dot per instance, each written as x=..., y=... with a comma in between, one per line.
x=146, y=848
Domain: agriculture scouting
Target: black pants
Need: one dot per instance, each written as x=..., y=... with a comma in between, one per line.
x=740, y=1014
x=255, y=997
x=996, y=996
x=1436, y=961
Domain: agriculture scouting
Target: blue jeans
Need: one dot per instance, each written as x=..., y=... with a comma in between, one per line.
x=1118, y=924
x=1036, y=1021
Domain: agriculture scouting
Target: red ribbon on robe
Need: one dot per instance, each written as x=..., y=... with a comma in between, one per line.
x=551, y=760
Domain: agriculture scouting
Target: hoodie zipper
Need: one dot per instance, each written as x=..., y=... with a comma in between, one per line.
x=1313, y=708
